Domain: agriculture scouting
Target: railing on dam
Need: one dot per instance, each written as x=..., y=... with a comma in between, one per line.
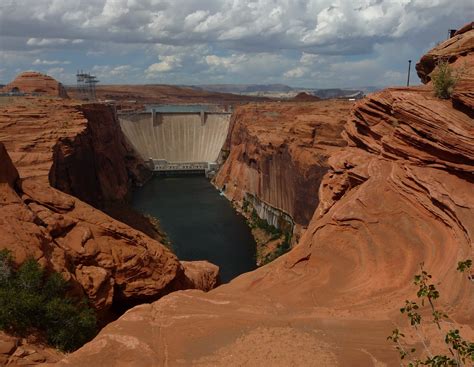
x=188, y=108
x=165, y=167
x=202, y=110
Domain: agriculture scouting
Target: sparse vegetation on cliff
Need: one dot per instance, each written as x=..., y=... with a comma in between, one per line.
x=256, y=221
x=281, y=249
x=458, y=351
x=33, y=301
x=444, y=80
x=272, y=242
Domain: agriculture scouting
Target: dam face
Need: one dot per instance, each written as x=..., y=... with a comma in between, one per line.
x=171, y=139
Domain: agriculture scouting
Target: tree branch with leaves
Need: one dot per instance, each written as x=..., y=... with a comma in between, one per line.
x=460, y=352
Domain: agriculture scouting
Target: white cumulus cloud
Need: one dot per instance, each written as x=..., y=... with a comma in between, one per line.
x=167, y=63
x=50, y=62
x=231, y=40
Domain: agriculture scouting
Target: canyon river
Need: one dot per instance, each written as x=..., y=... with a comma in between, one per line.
x=201, y=224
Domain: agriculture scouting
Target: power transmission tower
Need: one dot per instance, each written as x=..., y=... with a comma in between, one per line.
x=86, y=85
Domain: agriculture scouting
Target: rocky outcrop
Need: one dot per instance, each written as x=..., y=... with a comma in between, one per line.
x=25, y=351
x=459, y=52
x=278, y=153
x=399, y=194
x=32, y=82
x=305, y=97
x=105, y=259
x=102, y=151
x=198, y=275
x=450, y=50
x=77, y=148
x=80, y=150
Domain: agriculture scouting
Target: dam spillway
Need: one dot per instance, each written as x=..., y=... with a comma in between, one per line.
x=177, y=138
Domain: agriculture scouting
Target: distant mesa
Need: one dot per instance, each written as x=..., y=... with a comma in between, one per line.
x=281, y=91
x=35, y=83
x=305, y=97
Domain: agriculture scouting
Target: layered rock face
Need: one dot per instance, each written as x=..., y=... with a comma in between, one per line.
x=450, y=50
x=278, y=153
x=459, y=52
x=102, y=146
x=398, y=195
x=34, y=82
x=80, y=150
x=23, y=352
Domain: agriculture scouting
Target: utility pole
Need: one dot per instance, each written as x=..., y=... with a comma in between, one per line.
x=409, y=69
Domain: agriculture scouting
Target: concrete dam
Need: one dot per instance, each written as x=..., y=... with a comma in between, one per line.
x=177, y=138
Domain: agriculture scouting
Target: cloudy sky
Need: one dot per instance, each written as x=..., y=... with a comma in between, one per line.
x=307, y=43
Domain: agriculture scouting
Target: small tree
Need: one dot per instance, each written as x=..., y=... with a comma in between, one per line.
x=32, y=300
x=460, y=351
x=444, y=80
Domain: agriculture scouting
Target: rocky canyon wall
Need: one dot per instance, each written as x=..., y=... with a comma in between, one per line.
x=96, y=165
x=277, y=153
x=399, y=193
x=79, y=149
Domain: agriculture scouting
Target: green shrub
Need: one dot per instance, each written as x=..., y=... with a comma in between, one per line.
x=245, y=205
x=283, y=248
x=444, y=80
x=31, y=299
x=257, y=222
x=460, y=350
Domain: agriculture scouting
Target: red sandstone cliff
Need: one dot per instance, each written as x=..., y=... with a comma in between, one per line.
x=102, y=146
x=37, y=83
x=278, y=152
x=399, y=194
x=80, y=150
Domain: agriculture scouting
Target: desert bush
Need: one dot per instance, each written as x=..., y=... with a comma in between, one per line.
x=254, y=221
x=283, y=248
x=444, y=80
x=32, y=300
x=459, y=351
x=258, y=222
